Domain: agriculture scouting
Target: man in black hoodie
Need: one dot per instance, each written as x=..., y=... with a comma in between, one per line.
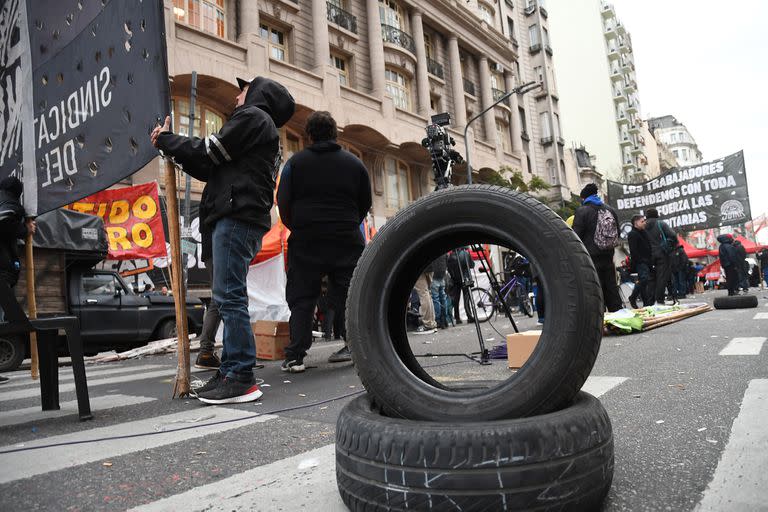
x=323, y=197
x=640, y=261
x=729, y=260
x=239, y=165
x=663, y=242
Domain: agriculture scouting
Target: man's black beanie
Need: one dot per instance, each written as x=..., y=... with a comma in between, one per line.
x=589, y=190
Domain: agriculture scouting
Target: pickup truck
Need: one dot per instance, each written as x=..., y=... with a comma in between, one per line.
x=112, y=315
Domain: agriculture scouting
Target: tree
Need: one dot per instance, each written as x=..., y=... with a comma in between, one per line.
x=515, y=181
x=567, y=208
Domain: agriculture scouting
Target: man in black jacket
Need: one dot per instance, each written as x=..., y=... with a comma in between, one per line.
x=663, y=242
x=238, y=165
x=585, y=222
x=743, y=266
x=460, y=264
x=729, y=260
x=641, y=261
x=323, y=196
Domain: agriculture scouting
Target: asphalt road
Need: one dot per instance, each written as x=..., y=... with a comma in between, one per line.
x=689, y=426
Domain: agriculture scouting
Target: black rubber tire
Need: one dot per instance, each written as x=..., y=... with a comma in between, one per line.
x=433, y=225
x=558, y=461
x=736, y=302
x=166, y=330
x=12, y=352
x=483, y=304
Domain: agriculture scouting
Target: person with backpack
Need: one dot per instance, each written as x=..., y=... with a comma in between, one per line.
x=663, y=243
x=598, y=228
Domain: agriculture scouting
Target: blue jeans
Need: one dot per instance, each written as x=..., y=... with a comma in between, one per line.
x=235, y=243
x=437, y=291
x=765, y=276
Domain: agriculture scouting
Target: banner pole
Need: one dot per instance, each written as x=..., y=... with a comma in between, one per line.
x=181, y=384
x=31, y=304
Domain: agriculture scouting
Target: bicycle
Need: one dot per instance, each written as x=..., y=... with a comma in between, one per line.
x=513, y=293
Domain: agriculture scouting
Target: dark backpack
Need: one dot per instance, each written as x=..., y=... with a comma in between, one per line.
x=606, y=231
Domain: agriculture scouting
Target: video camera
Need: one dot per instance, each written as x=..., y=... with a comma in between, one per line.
x=440, y=146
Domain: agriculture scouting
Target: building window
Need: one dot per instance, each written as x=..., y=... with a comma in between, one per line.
x=684, y=153
x=278, y=41
x=486, y=13
x=545, y=33
x=497, y=81
x=546, y=129
x=511, y=27
x=558, y=132
x=399, y=87
x=352, y=149
x=673, y=137
x=552, y=171
x=435, y=103
x=533, y=34
x=538, y=74
x=523, y=124
x=398, y=193
x=341, y=63
x=428, y=46
x=206, y=15
x=205, y=118
x=502, y=135
x=391, y=14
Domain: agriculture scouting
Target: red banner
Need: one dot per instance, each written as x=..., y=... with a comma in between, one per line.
x=132, y=219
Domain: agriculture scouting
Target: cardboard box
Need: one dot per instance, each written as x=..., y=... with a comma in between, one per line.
x=271, y=338
x=520, y=346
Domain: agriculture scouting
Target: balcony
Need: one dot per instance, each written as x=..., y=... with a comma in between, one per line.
x=469, y=87
x=632, y=108
x=626, y=66
x=524, y=135
x=613, y=54
x=435, y=68
x=616, y=74
x=619, y=98
x=607, y=11
x=529, y=10
x=610, y=32
x=637, y=150
x=341, y=18
x=622, y=119
x=548, y=49
x=630, y=87
x=623, y=48
x=514, y=41
x=620, y=29
x=397, y=37
x=625, y=141
x=560, y=141
x=497, y=95
x=535, y=48
x=543, y=12
x=635, y=130
x=546, y=141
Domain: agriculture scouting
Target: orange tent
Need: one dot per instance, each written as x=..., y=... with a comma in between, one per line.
x=275, y=241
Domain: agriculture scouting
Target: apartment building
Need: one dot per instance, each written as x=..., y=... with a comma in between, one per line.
x=671, y=132
x=382, y=68
x=599, y=98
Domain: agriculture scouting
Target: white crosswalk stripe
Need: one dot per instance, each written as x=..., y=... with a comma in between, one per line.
x=100, y=403
x=65, y=374
x=24, y=464
x=761, y=316
x=598, y=386
x=70, y=386
x=743, y=347
x=739, y=480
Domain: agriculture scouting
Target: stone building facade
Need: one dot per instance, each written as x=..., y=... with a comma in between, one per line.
x=382, y=68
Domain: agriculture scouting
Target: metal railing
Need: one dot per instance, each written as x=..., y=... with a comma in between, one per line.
x=546, y=140
x=497, y=94
x=396, y=36
x=469, y=87
x=435, y=68
x=342, y=18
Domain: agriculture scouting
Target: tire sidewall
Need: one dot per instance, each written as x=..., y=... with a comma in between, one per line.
x=15, y=348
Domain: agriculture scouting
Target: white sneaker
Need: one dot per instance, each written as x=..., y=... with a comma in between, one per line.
x=424, y=330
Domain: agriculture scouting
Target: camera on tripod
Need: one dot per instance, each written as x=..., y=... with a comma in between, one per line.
x=440, y=146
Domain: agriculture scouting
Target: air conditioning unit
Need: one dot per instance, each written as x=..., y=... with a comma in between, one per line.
x=497, y=67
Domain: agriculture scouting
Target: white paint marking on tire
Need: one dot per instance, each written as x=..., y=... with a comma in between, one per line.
x=739, y=480
x=743, y=347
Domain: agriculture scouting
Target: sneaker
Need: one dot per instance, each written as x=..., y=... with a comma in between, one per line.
x=634, y=305
x=211, y=384
x=424, y=330
x=293, y=365
x=231, y=391
x=3, y=380
x=207, y=361
x=341, y=356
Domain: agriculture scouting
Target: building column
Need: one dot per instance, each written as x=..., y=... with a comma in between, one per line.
x=375, y=48
x=514, y=121
x=320, y=35
x=486, y=95
x=422, y=77
x=457, y=83
x=249, y=21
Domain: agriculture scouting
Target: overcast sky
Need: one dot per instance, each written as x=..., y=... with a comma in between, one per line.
x=706, y=63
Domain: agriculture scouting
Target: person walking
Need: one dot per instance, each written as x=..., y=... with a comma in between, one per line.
x=437, y=290
x=729, y=260
x=323, y=196
x=640, y=258
x=14, y=226
x=460, y=264
x=239, y=165
x=680, y=272
x=597, y=225
x=742, y=266
x=663, y=242
x=762, y=258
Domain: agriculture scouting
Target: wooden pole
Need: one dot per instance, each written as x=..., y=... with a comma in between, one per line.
x=181, y=384
x=31, y=304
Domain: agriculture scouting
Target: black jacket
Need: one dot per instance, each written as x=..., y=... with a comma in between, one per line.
x=238, y=164
x=459, y=262
x=438, y=267
x=12, y=228
x=679, y=259
x=585, y=224
x=639, y=248
x=653, y=228
x=729, y=255
x=323, y=196
x=762, y=257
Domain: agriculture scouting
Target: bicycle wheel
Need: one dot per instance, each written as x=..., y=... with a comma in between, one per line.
x=483, y=304
x=525, y=301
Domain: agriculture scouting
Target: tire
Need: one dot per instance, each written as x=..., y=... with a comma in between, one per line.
x=432, y=226
x=558, y=461
x=166, y=330
x=12, y=352
x=483, y=304
x=736, y=302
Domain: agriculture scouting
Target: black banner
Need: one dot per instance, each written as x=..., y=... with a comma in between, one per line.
x=83, y=83
x=706, y=195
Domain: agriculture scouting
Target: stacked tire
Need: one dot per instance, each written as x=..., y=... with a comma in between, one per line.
x=532, y=442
